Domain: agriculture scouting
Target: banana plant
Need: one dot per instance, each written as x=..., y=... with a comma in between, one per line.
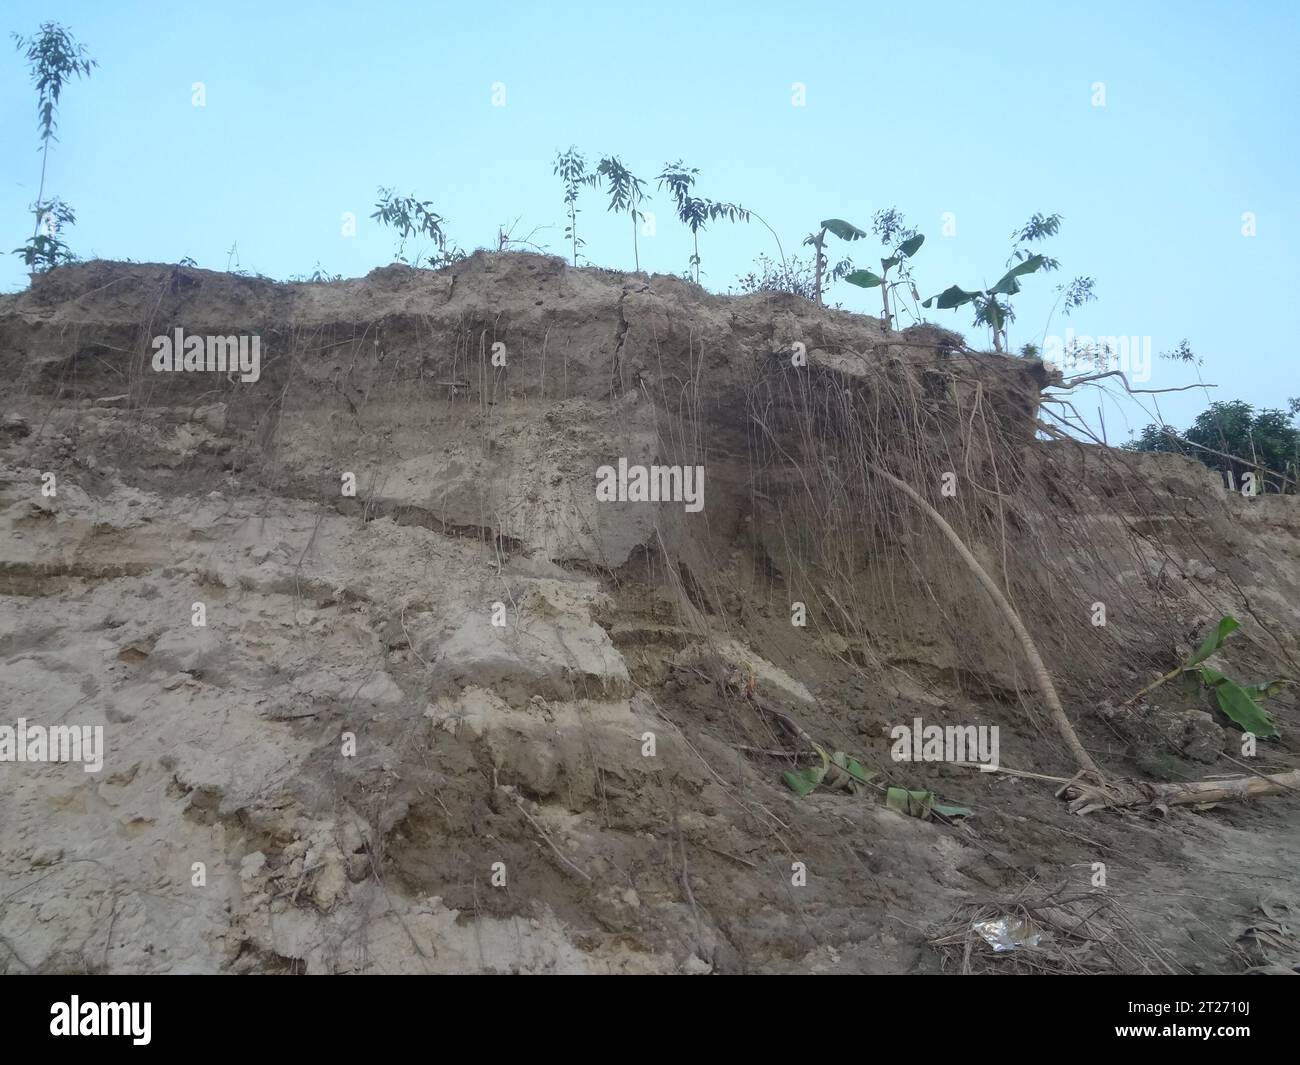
x=866, y=279
x=989, y=309
x=1240, y=702
x=845, y=231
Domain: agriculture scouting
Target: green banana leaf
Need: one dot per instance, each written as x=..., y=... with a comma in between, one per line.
x=842, y=229
x=910, y=247
x=1008, y=285
x=950, y=298
x=805, y=781
x=862, y=278
x=920, y=804
x=1227, y=626
x=1237, y=703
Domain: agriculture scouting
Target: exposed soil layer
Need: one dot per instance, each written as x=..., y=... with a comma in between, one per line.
x=468, y=717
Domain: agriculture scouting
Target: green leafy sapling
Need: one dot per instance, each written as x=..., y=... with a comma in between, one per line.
x=903, y=242
x=319, y=276
x=48, y=248
x=414, y=218
x=1075, y=294
x=692, y=211
x=993, y=305
x=571, y=168
x=53, y=58
x=626, y=193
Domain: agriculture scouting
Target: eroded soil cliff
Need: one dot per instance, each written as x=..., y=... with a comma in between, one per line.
x=470, y=717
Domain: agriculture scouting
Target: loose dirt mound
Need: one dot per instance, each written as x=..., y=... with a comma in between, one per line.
x=468, y=717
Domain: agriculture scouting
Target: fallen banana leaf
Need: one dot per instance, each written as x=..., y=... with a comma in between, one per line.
x=803, y=781
x=920, y=804
x=851, y=775
x=837, y=770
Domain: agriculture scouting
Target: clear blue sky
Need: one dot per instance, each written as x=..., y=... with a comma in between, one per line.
x=981, y=110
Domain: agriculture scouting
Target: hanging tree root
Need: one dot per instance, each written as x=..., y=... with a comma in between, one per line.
x=1085, y=797
x=1043, y=679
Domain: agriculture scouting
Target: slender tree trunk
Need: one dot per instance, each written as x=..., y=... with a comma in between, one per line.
x=636, y=254
x=884, y=297
x=40, y=194
x=40, y=197
x=696, y=238
x=817, y=249
x=780, y=250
